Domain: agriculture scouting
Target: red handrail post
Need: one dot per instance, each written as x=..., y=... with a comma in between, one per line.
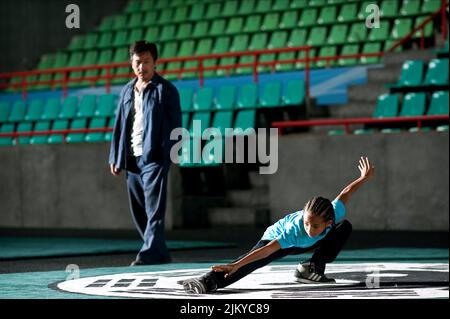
x=419, y=125
x=24, y=87
x=255, y=67
x=307, y=73
x=443, y=20
x=108, y=82
x=65, y=84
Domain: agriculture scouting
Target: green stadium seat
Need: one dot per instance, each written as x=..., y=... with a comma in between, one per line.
x=203, y=99
x=252, y=23
x=430, y=6
x=77, y=137
x=362, y=14
x=246, y=7
x=213, y=10
x=281, y=5
x=278, y=39
x=401, y=28
x=76, y=43
x=410, y=8
x=7, y=128
x=271, y=95
x=152, y=33
x=413, y=104
x=185, y=120
x=51, y=110
x=308, y=17
x=239, y=43
x=349, y=49
x=47, y=61
x=302, y=55
x=106, y=24
x=428, y=29
x=186, y=49
x=294, y=93
x=226, y=97
x=168, y=32
x=165, y=16
x=106, y=105
x=217, y=27
x=348, y=12
x=34, y=111
x=106, y=39
x=283, y=57
x=87, y=106
x=358, y=33
x=108, y=135
x=297, y=38
x=263, y=6
x=288, y=19
x=186, y=97
x=135, y=35
x=412, y=73
x=39, y=127
x=133, y=6
x=388, y=44
x=57, y=126
x=327, y=15
x=197, y=11
x=387, y=106
x=230, y=8
x=299, y=4
x=317, y=36
x=235, y=25
x=437, y=73
x=135, y=20
x=389, y=8
x=258, y=42
x=327, y=52
x=90, y=58
x=96, y=136
x=69, y=108
x=381, y=33
x=17, y=112
x=191, y=154
x=181, y=14
x=338, y=34
x=184, y=31
x=24, y=127
x=245, y=119
x=200, y=29
x=90, y=41
x=204, y=118
x=213, y=152
x=5, y=109
x=149, y=17
x=223, y=120
x=371, y=48
x=439, y=104
x=317, y=3
x=248, y=96
x=270, y=22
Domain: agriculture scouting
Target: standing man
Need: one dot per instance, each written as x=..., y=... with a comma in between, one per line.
x=148, y=110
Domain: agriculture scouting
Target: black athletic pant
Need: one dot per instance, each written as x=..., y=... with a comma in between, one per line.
x=325, y=251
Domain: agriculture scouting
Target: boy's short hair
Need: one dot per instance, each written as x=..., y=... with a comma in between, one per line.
x=142, y=46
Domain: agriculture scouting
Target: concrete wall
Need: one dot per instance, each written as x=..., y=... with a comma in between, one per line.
x=410, y=190
x=65, y=186
x=31, y=28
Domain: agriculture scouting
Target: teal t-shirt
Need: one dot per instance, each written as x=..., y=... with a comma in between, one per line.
x=290, y=232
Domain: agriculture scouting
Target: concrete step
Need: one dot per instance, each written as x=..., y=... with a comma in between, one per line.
x=366, y=93
x=255, y=197
x=258, y=180
x=398, y=58
x=238, y=216
x=378, y=75
x=350, y=110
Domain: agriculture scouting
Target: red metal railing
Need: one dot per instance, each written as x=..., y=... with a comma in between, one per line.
x=346, y=123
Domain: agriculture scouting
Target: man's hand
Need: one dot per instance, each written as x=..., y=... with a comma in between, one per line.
x=114, y=170
x=227, y=269
x=366, y=169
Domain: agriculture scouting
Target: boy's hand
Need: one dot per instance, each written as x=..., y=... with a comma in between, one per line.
x=227, y=269
x=366, y=169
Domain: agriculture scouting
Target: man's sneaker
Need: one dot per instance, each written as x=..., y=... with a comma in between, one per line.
x=308, y=274
x=194, y=286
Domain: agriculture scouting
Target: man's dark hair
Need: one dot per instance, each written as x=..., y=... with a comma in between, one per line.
x=320, y=206
x=142, y=46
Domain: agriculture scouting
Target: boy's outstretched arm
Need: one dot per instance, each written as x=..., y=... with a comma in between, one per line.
x=367, y=171
x=255, y=255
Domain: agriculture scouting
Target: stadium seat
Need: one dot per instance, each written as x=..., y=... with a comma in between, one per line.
x=226, y=98
x=413, y=104
x=308, y=17
x=430, y=6
x=56, y=126
x=437, y=73
x=214, y=10
x=248, y=96
x=87, y=106
x=51, y=110
x=204, y=118
x=245, y=119
x=439, y=103
x=96, y=136
x=358, y=33
x=34, y=111
x=203, y=99
x=347, y=13
x=186, y=96
x=69, y=108
x=106, y=105
x=294, y=93
x=327, y=15
x=24, y=127
x=350, y=49
x=77, y=137
x=412, y=73
x=253, y=23
x=4, y=111
x=401, y=28
x=338, y=34
x=389, y=8
x=6, y=128
x=223, y=120
x=381, y=33
x=17, y=112
x=387, y=106
x=39, y=127
x=288, y=19
x=271, y=94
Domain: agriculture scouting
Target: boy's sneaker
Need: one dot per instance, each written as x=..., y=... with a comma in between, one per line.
x=307, y=273
x=194, y=286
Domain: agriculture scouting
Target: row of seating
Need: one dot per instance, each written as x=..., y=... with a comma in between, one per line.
x=418, y=73
x=249, y=96
x=53, y=109
x=311, y=12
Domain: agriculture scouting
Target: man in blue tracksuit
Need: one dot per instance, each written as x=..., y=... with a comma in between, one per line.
x=149, y=109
